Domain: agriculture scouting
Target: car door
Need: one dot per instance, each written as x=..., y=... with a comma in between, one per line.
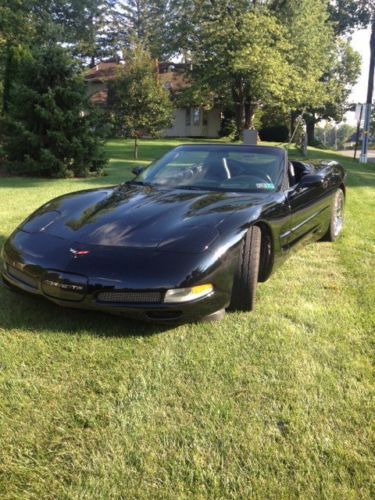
x=308, y=204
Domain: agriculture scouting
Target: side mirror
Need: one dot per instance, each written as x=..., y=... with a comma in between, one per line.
x=310, y=181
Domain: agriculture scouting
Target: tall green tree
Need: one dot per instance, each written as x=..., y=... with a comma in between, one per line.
x=338, y=82
x=100, y=31
x=16, y=29
x=147, y=22
x=347, y=15
x=49, y=129
x=238, y=57
x=250, y=53
x=138, y=102
x=311, y=39
x=89, y=28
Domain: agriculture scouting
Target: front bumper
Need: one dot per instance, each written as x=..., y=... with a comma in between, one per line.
x=77, y=283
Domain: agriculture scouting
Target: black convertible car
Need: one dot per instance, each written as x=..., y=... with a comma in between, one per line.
x=187, y=238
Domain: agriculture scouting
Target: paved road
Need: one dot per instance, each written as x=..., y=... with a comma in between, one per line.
x=370, y=156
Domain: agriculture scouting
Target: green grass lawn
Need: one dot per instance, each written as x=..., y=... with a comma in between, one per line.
x=272, y=404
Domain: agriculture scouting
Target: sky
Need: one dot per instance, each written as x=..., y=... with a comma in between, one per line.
x=360, y=42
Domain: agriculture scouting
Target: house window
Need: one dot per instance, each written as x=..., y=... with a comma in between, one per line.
x=187, y=117
x=196, y=116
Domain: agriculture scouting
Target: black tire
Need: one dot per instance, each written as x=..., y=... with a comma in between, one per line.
x=246, y=275
x=337, y=217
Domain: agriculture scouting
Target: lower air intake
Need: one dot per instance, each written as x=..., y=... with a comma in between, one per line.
x=141, y=297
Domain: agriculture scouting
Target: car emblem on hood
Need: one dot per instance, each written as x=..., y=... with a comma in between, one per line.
x=78, y=253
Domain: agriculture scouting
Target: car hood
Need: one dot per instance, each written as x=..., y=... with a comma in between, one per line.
x=135, y=216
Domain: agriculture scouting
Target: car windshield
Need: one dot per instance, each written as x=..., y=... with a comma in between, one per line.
x=221, y=168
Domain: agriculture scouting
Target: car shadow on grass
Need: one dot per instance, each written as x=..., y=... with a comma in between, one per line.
x=24, y=312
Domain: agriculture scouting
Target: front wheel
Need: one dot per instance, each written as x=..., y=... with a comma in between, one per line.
x=337, y=217
x=246, y=276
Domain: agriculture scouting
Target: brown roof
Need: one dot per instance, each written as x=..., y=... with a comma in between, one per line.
x=173, y=78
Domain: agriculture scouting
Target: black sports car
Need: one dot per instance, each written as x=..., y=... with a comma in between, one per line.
x=187, y=238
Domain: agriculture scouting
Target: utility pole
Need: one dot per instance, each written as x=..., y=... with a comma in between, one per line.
x=358, y=131
x=370, y=88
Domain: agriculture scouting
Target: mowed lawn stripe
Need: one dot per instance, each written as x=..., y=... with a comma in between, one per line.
x=276, y=403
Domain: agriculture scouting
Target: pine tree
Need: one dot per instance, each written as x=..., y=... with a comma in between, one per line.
x=49, y=129
x=147, y=22
x=99, y=30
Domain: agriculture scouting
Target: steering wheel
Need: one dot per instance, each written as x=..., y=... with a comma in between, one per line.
x=194, y=169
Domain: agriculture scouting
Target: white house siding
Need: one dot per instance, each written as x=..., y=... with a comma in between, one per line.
x=182, y=128
x=214, y=122
x=178, y=127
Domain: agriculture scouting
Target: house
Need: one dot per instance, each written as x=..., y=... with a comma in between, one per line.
x=190, y=121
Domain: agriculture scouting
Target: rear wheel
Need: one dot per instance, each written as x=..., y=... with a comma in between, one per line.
x=246, y=277
x=337, y=217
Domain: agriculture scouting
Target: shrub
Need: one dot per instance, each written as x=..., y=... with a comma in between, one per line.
x=276, y=133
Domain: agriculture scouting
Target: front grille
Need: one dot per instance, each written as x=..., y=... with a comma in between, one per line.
x=23, y=277
x=131, y=297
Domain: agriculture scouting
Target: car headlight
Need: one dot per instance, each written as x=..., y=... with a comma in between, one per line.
x=177, y=295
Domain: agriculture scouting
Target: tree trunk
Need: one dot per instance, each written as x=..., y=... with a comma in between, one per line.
x=248, y=118
x=293, y=117
x=238, y=98
x=250, y=109
x=136, y=147
x=310, y=130
x=239, y=120
x=7, y=78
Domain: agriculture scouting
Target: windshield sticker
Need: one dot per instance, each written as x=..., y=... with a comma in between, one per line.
x=265, y=185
